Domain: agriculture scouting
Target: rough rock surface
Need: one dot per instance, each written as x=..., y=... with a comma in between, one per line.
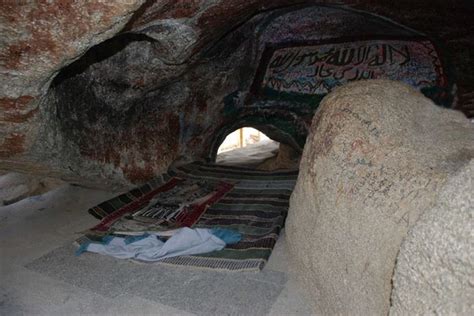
x=286, y=158
x=182, y=71
x=376, y=158
x=40, y=37
x=37, y=39
x=16, y=186
x=454, y=28
x=126, y=110
x=435, y=268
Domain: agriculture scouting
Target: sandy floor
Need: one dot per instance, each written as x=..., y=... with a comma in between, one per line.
x=39, y=274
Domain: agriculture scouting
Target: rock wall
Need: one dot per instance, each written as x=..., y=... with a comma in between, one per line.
x=180, y=75
x=38, y=38
x=453, y=29
x=377, y=157
x=126, y=110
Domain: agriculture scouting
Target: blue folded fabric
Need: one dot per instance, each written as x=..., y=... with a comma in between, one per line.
x=105, y=240
x=229, y=236
x=131, y=239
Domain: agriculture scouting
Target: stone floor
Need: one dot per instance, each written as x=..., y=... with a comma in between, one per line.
x=39, y=274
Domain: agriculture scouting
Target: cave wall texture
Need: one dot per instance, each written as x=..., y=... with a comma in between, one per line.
x=110, y=94
x=371, y=176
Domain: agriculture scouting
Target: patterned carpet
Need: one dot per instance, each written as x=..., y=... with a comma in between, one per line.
x=253, y=202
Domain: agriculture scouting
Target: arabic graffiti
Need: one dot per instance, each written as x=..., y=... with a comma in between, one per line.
x=318, y=69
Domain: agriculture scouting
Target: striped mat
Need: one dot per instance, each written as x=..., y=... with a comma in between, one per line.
x=256, y=206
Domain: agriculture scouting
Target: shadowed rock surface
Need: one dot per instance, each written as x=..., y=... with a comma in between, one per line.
x=378, y=155
x=15, y=187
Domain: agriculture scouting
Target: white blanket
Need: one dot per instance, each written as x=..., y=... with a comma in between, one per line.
x=185, y=241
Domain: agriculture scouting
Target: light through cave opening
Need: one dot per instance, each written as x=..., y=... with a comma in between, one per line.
x=251, y=148
x=241, y=138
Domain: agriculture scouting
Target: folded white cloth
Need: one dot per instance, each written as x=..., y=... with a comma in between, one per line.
x=185, y=241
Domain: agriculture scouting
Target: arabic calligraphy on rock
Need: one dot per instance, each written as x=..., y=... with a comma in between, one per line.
x=318, y=69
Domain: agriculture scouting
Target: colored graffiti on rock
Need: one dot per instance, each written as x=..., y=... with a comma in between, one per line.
x=318, y=68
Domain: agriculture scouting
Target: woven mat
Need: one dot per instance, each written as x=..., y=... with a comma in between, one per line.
x=253, y=202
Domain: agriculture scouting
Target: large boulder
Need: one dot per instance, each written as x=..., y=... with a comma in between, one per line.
x=435, y=267
x=377, y=156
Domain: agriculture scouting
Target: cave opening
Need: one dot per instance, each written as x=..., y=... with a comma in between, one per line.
x=242, y=138
x=251, y=148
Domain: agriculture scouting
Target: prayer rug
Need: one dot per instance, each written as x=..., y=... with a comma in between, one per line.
x=200, y=195
x=177, y=203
